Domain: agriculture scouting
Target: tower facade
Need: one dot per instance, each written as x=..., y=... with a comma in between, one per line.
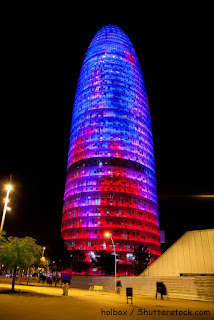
x=111, y=184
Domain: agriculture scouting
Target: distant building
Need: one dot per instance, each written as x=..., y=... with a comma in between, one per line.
x=191, y=255
x=111, y=183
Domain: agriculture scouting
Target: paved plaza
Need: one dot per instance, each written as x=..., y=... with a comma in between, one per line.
x=42, y=302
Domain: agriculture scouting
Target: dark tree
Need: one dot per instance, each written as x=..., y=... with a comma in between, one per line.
x=141, y=259
x=105, y=262
x=78, y=263
x=60, y=256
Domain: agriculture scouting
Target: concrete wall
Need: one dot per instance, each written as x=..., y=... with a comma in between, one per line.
x=191, y=288
x=193, y=254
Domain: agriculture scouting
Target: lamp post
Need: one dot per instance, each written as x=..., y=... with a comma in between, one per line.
x=108, y=235
x=42, y=259
x=8, y=188
x=43, y=252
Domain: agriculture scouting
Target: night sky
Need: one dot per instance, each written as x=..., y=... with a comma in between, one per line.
x=42, y=55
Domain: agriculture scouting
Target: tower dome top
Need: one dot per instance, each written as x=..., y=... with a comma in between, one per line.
x=111, y=35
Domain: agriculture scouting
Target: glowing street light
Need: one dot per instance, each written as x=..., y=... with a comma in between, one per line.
x=108, y=235
x=43, y=252
x=8, y=188
x=44, y=260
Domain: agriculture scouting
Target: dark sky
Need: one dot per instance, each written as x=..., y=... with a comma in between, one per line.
x=43, y=51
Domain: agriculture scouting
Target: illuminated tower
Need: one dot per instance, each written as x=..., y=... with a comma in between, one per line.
x=111, y=183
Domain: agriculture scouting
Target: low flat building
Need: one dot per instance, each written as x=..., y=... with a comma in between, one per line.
x=190, y=255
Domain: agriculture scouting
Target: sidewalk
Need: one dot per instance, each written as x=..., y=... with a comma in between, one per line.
x=30, y=283
x=45, y=302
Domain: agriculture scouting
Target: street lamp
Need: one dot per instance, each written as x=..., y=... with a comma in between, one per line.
x=43, y=253
x=45, y=260
x=108, y=235
x=8, y=188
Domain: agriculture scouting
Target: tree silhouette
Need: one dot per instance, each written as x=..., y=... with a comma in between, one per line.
x=105, y=262
x=60, y=256
x=78, y=263
x=141, y=259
